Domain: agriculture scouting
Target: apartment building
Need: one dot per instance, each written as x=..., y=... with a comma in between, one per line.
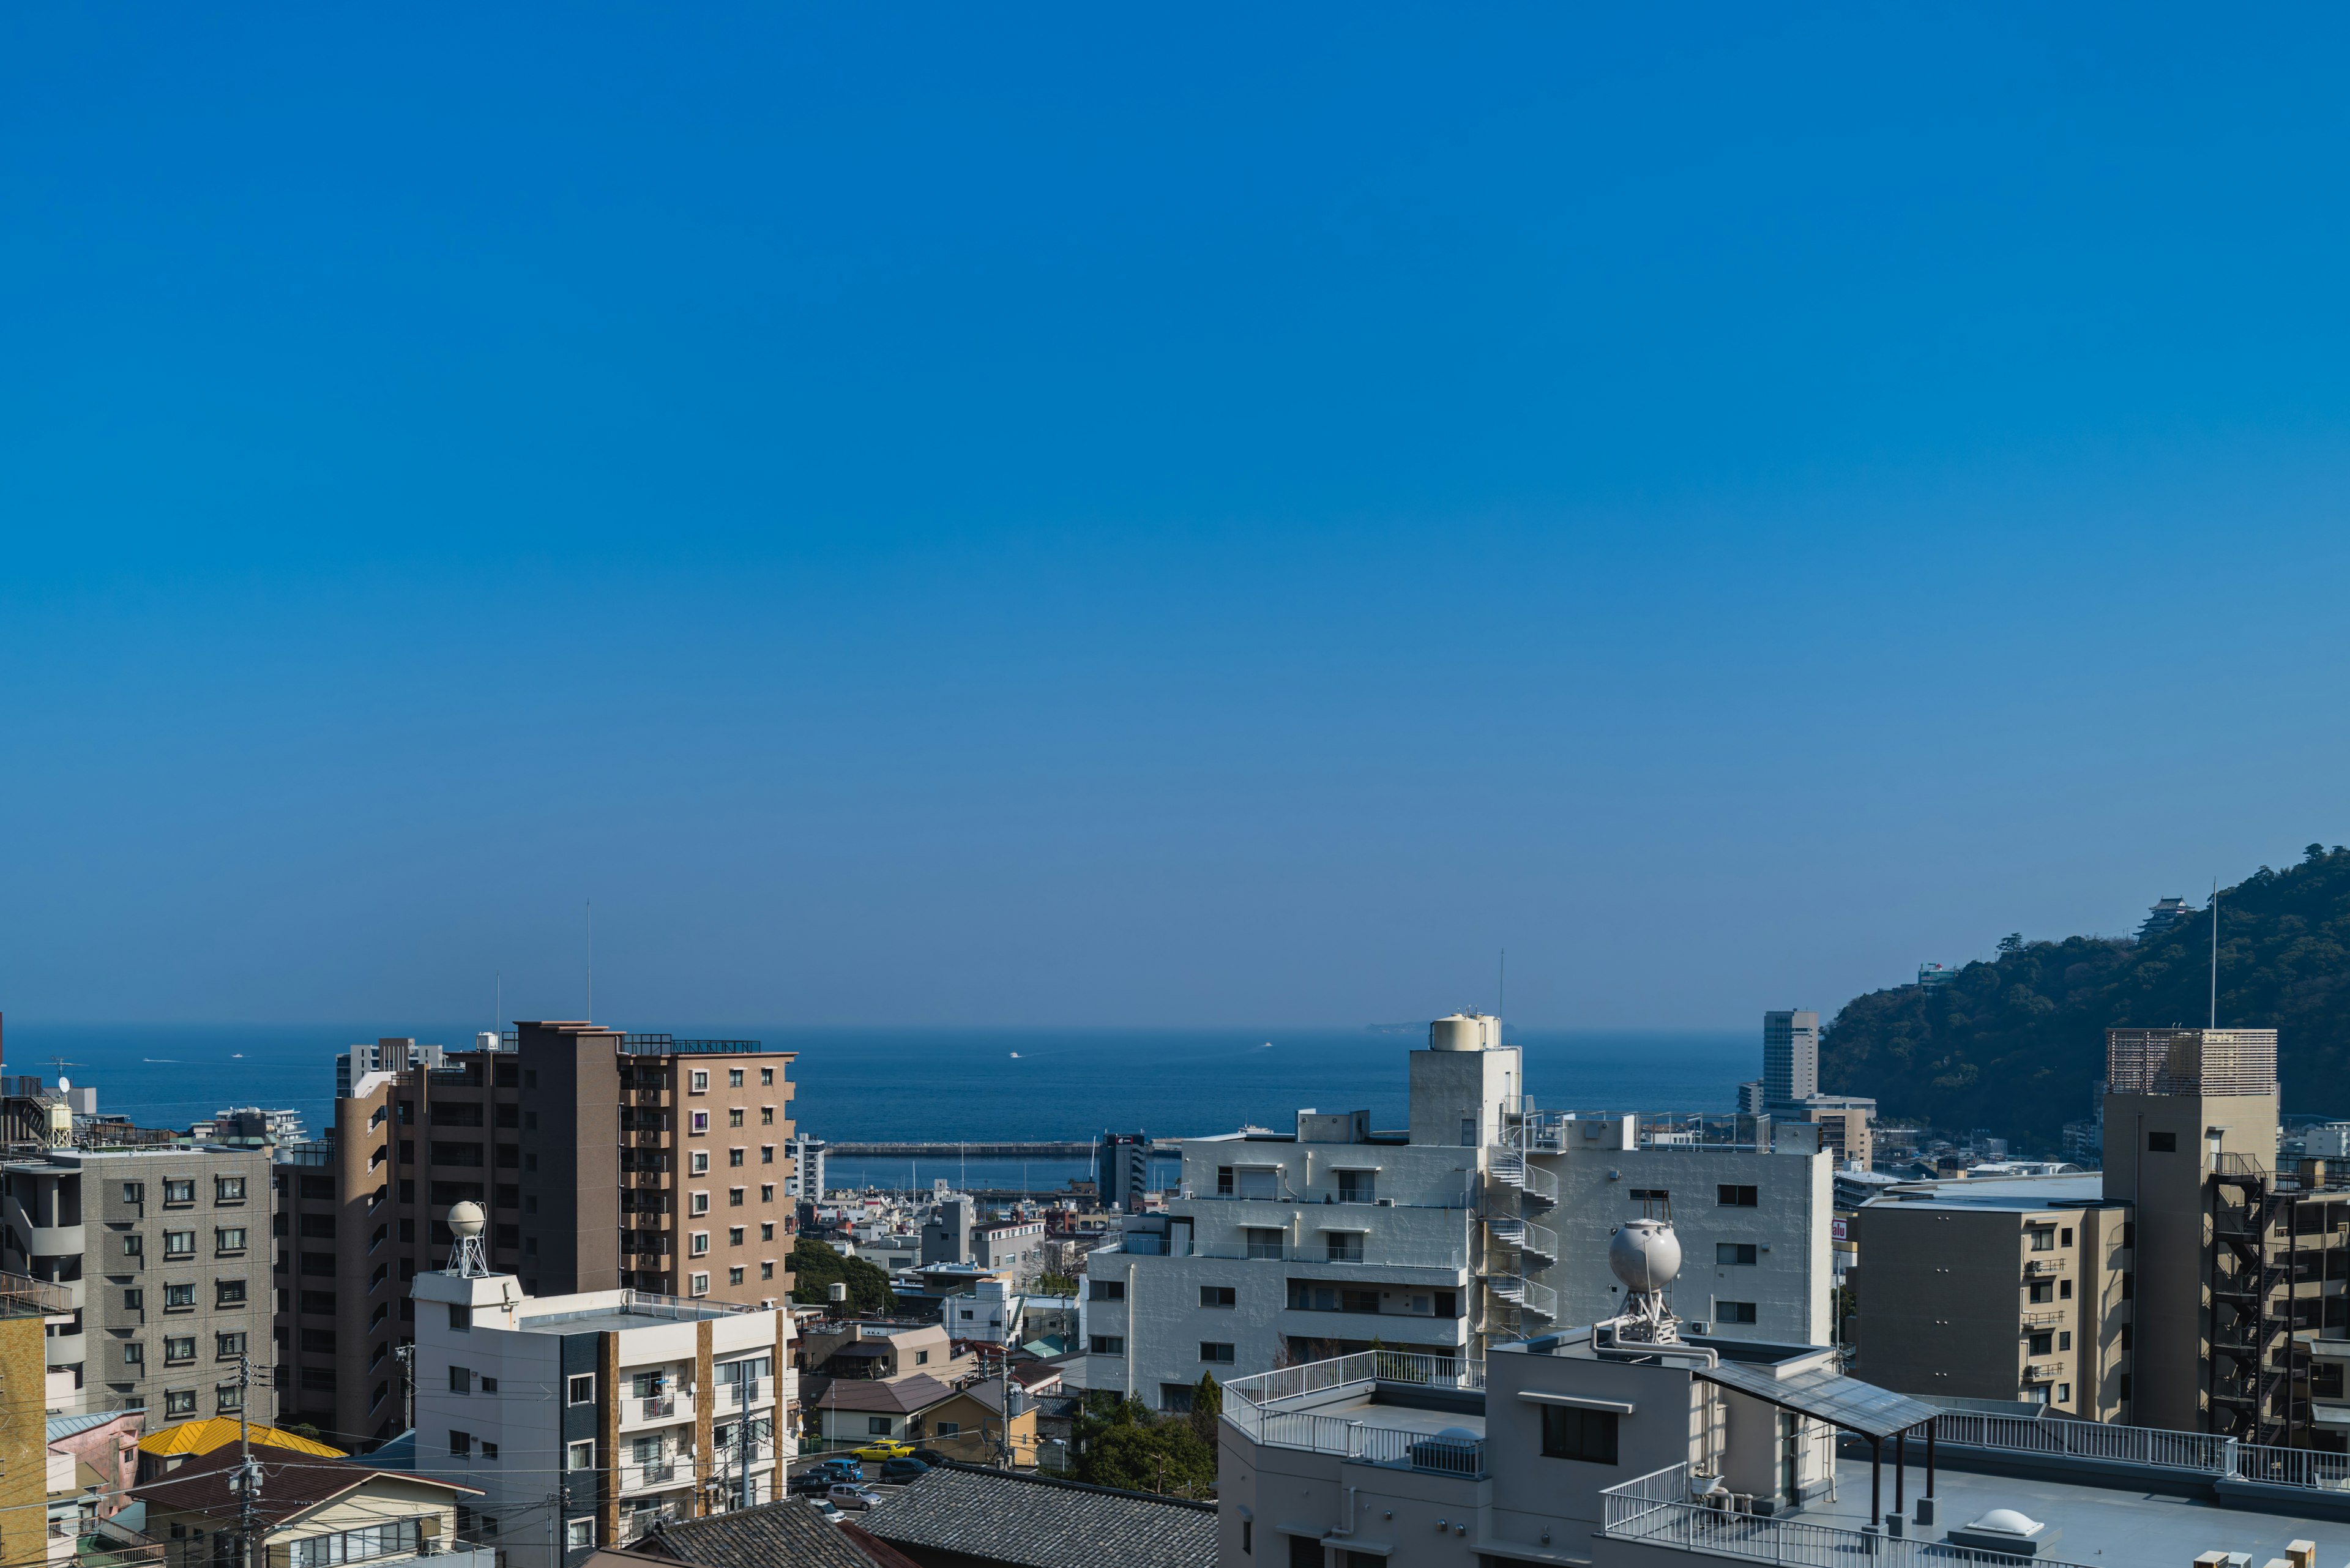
x=585, y=1417
x=2000, y=1288
x=605, y=1160
x=164, y=1253
x=1287, y=1246
x=1756, y=1223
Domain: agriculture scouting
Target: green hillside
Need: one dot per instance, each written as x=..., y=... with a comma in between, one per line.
x=2017, y=1044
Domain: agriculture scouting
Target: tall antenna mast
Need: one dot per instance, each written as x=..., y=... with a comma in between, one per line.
x=1501, y=994
x=592, y=960
x=2215, y=954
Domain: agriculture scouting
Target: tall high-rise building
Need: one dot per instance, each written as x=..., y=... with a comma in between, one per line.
x=1124, y=1171
x=1791, y=1057
x=605, y=1160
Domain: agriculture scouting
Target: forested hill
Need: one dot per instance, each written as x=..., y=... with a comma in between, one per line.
x=2017, y=1044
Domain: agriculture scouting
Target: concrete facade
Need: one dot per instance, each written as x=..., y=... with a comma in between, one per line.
x=166, y=1253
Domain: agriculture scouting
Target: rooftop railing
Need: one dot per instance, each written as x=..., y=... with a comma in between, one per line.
x=2152, y=1445
x=1660, y=1510
x=1263, y=1408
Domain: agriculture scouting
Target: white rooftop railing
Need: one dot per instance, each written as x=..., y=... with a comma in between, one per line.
x=1263, y=1407
x=1658, y=1509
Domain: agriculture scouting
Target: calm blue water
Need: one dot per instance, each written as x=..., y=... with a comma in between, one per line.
x=940, y=1084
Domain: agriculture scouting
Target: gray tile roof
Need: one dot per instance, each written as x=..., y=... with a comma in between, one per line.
x=1033, y=1522
x=786, y=1533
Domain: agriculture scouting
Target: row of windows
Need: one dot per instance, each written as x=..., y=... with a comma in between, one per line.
x=181, y=1297
x=699, y=1202
x=699, y=1163
x=225, y=1189
x=180, y=1349
x=698, y=1079
x=227, y=1241
x=698, y=1122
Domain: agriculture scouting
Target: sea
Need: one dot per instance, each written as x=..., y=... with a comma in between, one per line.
x=937, y=1085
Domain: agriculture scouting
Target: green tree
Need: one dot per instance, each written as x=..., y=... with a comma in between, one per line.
x=815, y=1265
x=1055, y=1285
x=1207, y=1403
x=1164, y=1457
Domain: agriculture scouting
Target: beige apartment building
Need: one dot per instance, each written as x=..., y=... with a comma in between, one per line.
x=1999, y=1289
x=606, y=1160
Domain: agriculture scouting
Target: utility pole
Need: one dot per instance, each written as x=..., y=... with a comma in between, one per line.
x=248, y=1477
x=406, y=1355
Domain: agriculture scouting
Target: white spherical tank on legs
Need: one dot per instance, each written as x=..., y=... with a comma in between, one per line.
x=1646, y=1255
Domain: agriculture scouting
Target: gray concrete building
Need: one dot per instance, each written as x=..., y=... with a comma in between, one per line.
x=166, y=1252
x=1791, y=1057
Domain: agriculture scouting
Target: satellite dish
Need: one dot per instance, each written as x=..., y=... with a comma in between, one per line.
x=64, y=1083
x=465, y=1221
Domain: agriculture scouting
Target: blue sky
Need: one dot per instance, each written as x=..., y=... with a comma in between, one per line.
x=1150, y=517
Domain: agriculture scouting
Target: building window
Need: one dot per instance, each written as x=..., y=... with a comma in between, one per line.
x=578, y=1534
x=1730, y=1196
x=1734, y=1255
x=767, y=1270
x=766, y=1116
x=179, y=1350
x=697, y=1203
x=1344, y=1246
x=734, y=1078
x=767, y=1076
x=766, y=1231
x=461, y=1380
x=134, y=1354
x=1357, y=1186
x=228, y=1292
x=1175, y=1399
x=228, y=1189
x=698, y=1081
x=1468, y=1132
x=733, y=1198
x=766, y=1153
x=2044, y=1238
x=180, y=1192
x=697, y=1162
x=733, y=1276
x=698, y=1244
x=178, y=1243
x=1218, y=1296
x=700, y=1285
x=580, y=1456
x=134, y=1192
x=1216, y=1351
x=1572, y=1434
x=1107, y=1344
x=2065, y=1340
x=766, y=1192
x=580, y=1389
x=735, y=1158
x=1106, y=1290
x=228, y=1346
x=734, y=1117
x=734, y=1239
x=700, y=1123
x=2041, y=1343
x=179, y=1401
x=181, y=1296
x=229, y=1239
x=2063, y=1290
x=2162, y=1143
x=1734, y=1311
x=2039, y=1291
x=921, y=1359
x=229, y=1398
x=134, y=1301
x=2065, y=1237
x=877, y=1426
x=133, y=1245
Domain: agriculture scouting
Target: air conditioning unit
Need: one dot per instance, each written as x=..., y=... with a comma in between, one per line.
x=1386, y=1202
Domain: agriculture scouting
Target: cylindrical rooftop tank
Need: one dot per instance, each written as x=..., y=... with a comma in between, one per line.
x=1644, y=1254
x=1464, y=1032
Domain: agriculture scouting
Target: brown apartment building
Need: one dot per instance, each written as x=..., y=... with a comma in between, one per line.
x=606, y=1160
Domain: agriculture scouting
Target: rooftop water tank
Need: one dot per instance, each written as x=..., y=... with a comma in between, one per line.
x=1464, y=1032
x=1646, y=1255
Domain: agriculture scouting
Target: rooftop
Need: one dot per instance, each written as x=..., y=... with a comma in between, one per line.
x=291, y=1484
x=784, y=1531
x=2016, y=1193
x=627, y=1309
x=1032, y=1522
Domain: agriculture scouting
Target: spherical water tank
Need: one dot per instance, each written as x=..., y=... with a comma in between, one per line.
x=1644, y=1254
x=465, y=1219
x=1464, y=1032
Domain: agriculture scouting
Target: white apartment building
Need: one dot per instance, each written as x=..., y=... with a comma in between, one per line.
x=1755, y=1224
x=1286, y=1247
x=585, y=1419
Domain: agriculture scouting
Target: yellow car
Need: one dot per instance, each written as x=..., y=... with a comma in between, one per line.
x=884, y=1450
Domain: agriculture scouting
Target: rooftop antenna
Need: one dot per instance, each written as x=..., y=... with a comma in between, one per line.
x=592, y=960
x=1501, y=994
x=2215, y=954
x=498, y=1003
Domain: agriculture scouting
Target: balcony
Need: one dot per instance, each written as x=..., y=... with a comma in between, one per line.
x=2042, y=1317
x=658, y=1410
x=668, y=1472
x=2041, y=1269
x=2043, y=1371
x=1342, y=1406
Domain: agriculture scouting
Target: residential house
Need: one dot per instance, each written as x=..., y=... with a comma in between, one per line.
x=311, y=1515
x=968, y=1516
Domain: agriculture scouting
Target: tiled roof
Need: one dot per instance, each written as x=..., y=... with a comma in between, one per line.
x=203, y=1437
x=904, y=1395
x=1033, y=1521
x=786, y=1533
x=291, y=1484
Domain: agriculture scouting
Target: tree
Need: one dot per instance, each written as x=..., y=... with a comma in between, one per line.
x=815, y=1265
x=2012, y=943
x=1164, y=1457
x=1207, y=1403
x=1055, y=1285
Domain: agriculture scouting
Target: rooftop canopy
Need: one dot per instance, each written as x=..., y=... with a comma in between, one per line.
x=1825, y=1396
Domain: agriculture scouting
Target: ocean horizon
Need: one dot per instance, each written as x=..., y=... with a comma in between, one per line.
x=932, y=1085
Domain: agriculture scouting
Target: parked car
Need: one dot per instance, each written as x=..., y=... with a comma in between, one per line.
x=816, y=1482
x=928, y=1456
x=903, y=1471
x=886, y=1449
x=856, y=1499
x=827, y=1510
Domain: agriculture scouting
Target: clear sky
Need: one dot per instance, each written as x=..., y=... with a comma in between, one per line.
x=1152, y=515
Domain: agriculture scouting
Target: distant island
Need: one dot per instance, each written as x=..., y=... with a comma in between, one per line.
x=2017, y=1044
